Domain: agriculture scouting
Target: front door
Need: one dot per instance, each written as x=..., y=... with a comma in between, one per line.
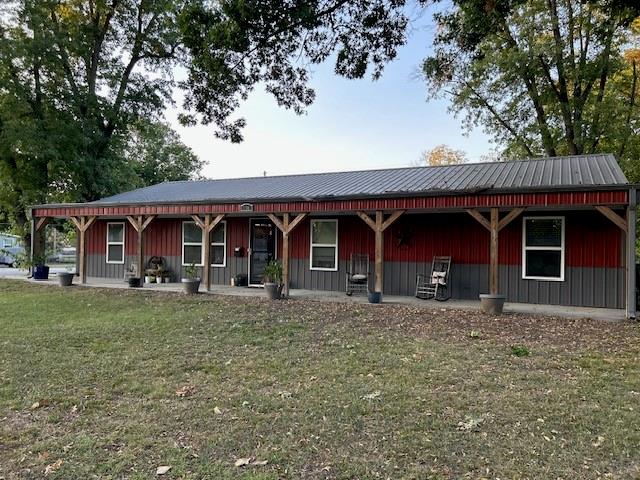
x=263, y=248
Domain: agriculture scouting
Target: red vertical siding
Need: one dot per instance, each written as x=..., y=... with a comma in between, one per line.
x=591, y=240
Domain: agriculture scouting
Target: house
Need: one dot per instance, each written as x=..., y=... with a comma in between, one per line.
x=547, y=230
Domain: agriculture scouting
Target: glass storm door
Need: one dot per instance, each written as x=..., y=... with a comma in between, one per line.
x=263, y=248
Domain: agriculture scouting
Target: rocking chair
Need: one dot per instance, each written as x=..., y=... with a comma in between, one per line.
x=436, y=285
x=358, y=274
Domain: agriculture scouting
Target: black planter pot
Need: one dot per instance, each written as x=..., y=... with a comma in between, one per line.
x=134, y=282
x=65, y=279
x=191, y=287
x=41, y=272
x=374, y=297
x=273, y=290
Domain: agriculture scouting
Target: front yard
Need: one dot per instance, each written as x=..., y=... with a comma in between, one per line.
x=114, y=384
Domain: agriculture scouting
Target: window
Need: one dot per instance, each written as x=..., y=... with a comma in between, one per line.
x=219, y=245
x=191, y=244
x=324, y=245
x=115, y=242
x=543, y=248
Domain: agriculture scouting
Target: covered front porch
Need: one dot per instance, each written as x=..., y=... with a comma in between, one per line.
x=607, y=314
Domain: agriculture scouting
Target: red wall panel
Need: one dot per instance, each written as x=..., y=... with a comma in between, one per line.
x=591, y=240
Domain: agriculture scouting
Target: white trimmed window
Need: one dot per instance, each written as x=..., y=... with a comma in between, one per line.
x=324, y=245
x=543, y=248
x=218, y=253
x=191, y=244
x=115, y=242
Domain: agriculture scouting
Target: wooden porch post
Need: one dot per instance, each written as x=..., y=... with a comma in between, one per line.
x=286, y=227
x=140, y=223
x=82, y=224
x=379, y=226
x=631, y=253
x=494, y=226
x=494, y=274
x=628, y=226
x=207, y=225
x=37, y=237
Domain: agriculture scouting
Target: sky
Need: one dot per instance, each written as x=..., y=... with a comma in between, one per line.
x=352, y=125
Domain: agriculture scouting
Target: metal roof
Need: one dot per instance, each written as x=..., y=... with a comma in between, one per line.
x=555, y=173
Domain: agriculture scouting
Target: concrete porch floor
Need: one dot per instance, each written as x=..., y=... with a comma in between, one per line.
x=328, y=296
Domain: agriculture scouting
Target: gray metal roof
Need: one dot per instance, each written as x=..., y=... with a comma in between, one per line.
x=571, y=172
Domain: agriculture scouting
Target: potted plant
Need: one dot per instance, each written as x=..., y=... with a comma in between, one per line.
x=65, y=278
x=149, y=276
x=191, y=281
x=374, y=297
x=160, y=274
x=272, y=278
x=39, y=268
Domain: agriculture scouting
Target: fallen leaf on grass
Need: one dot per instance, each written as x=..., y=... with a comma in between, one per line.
x=49, y=469
x=217, y=410
x=243, y=462
x=186, y=391
x=163, y=469
x=372, y=395
x=39, y=404
x=470, y=423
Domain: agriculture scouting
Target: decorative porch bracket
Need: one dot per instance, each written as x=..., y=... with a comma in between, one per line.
x=207, y=225
x=494, y=226
x=140, y=223
x=613, y=216
x=286, y=227
x=82, y=224
x=628, y=226
x=379, y=225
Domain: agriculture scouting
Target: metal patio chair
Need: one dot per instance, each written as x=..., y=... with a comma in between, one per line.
x=435, y=285
x=358, y=274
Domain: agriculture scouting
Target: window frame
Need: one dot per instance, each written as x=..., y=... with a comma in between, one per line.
x=331, y=245
x=122, y=244
x=192, y=244
x=560, y=249
x=218, y=244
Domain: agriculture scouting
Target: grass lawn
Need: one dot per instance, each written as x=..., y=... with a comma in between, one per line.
x=113, y=384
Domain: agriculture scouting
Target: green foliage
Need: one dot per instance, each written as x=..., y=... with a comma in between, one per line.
x=191, y=272
x=157, y=155
x=273, y=272
x=84, y=84
x=235, y=45
x=519, y=351
x=76, y=78
x=541, y=76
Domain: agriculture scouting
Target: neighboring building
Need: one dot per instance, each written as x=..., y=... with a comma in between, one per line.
x=562, y=225
x=10, y=249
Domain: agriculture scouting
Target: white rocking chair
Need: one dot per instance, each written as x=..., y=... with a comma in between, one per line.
x=436, y=285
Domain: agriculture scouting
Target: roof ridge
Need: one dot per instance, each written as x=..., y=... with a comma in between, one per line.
x=367, y=170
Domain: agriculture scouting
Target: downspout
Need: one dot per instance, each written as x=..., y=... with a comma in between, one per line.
x=631, y=254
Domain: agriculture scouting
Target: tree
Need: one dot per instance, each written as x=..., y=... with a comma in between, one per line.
x=538, y=74
x=157, y=155
x=77, y=75
x=441, y=155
